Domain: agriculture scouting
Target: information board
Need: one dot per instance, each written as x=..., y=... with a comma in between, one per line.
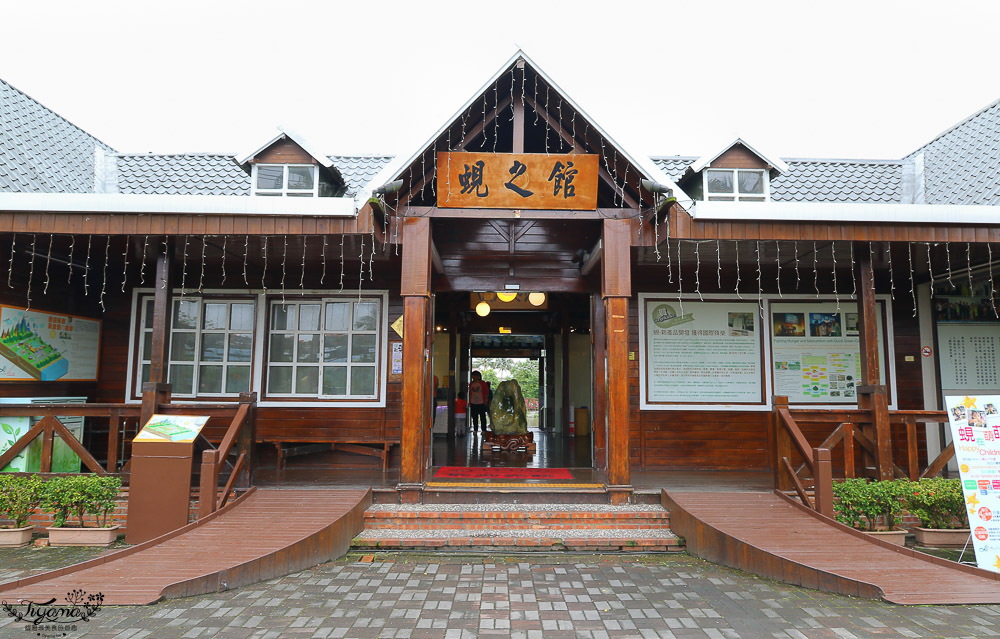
x=172, y=428
x=815, y=352
x=702, y=352
x=975, y=431
x=969, y=355
x=47, y=346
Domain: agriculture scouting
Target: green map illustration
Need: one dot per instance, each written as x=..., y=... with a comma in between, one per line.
x=28, y=351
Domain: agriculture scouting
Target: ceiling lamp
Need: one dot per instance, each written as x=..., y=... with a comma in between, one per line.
x=482, y=309
x=536, y=299
x=506, y=296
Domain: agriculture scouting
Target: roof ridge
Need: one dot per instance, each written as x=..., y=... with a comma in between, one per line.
x=953, y=127
x=107, y=147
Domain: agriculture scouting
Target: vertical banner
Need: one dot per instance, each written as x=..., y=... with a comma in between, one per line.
x=975, y=431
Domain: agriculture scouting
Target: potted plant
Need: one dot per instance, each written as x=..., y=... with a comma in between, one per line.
x=81, y=495
x=940, y=506
x=19, y=495
x=872, y=507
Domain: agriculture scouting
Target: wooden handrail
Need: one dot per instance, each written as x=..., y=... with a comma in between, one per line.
x=799, y=488
x=798, y=438
x=240, y=430
x=233, y=431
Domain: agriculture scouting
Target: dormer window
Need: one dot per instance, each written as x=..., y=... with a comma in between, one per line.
x=292, y=180
x=736, y=185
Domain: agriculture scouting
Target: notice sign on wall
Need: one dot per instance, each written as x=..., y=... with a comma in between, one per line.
x=969, y=355
x=815, y=352
x=702, y=352
x=35, y=345
x=975, y=431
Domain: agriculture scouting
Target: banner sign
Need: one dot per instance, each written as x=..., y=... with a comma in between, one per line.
x=517, y=180
x=975, y=431
x=41, y=346
x=702, y=352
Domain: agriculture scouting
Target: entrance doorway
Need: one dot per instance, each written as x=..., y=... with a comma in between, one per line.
x=548, y=351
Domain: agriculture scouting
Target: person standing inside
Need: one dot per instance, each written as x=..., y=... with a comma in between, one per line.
x=478, y=401
x=461, y=425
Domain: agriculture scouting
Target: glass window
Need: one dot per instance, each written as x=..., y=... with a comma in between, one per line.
x=286, y=179
x=270, y=176
x=720, y=181
x=326, y=350
x=736, y=185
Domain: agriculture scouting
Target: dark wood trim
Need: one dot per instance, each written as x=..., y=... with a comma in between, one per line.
x=176, y=224
x=521, y=214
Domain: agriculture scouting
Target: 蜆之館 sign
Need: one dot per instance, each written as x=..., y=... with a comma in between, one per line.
x=975, y=431
x=517, y=180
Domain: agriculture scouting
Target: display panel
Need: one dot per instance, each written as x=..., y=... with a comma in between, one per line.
x=45, y=347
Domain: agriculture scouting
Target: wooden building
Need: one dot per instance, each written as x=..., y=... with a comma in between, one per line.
x=681, y=295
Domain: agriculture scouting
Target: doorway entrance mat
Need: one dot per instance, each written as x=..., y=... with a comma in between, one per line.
x=463, y=472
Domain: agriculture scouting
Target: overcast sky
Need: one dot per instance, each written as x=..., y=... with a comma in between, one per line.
x=872, y=79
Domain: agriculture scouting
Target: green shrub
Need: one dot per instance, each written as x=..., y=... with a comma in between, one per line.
x=81, y=495
x=868, y=505
x=19, y=495
x=937, y=503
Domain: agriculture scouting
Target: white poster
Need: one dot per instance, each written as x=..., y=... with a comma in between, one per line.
x=815, y=352
x=47, y=346
x=704, y=352
x=969, y=355
x=975, y=429
x=397, y=359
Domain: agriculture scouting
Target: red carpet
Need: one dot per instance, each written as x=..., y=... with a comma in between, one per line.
x=462, y=472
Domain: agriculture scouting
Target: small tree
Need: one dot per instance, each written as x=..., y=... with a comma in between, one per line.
x=81, y=495
x=19, y=495
x=937, y=503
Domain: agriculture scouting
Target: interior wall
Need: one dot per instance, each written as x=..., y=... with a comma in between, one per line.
x=581, y=376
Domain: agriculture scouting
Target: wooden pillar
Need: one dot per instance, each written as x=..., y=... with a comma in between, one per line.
x=600, y=384
x=415, y=290
x=872, y=395
x=157, y=390
x=616, y=288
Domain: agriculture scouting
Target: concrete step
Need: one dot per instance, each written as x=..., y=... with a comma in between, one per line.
x=541, y=540
x=519, y=517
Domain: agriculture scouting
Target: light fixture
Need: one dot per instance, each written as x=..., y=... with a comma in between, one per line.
x=506, y=297
x=482, y=309
x=505, y=330
x=536, y=299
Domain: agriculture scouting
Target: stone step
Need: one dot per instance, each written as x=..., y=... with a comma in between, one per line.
x=516, y=520
x=541, y=540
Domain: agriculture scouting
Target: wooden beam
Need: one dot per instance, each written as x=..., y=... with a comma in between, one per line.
x=518, y=141
x=522, y=214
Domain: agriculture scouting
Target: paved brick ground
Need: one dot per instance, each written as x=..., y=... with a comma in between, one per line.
x=551, y=597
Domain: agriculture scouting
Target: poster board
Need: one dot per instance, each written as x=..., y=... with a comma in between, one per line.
x=701, y=352
x=815, y=351
x=46, y=347
x=969, y=356
x=975, y=429
x=172, y=428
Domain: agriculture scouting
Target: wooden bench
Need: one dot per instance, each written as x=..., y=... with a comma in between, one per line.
x=369, y=447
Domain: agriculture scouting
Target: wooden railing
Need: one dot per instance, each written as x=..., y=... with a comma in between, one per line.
x=816, y=467
x=238, y=439
x=49, y=427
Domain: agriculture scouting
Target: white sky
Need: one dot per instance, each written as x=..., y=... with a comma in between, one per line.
x=871, y=79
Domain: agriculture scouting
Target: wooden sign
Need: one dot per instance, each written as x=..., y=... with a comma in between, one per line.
x=517, y=181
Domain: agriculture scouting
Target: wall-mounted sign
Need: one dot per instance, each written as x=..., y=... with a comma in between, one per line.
x=517, y=180
x=36, y=345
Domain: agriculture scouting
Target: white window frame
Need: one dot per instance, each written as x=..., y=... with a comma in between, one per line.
x=144, y=303
x=377, y=365
x=735, y=193
x=284, y=191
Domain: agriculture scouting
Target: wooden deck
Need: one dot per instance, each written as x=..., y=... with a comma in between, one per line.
x=768, y=535
x=265, y=534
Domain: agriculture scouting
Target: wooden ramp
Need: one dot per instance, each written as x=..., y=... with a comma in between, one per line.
x=265, y=534
x=769, y=535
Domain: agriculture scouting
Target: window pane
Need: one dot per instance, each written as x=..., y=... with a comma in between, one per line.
x=300, y=177
x=363, y=348
x=334, y=380
x=309, y=317
x=238, y=379
x=306, y=380
x=215, y=316
x=279, y=379
x=302, y=194
x=751, y=182
x=213, y=347
x=181, y=378
x=363, y=380
x=365, y=316
x=182, y=347
x=185, y=314
x=147, y=345
x=335, y=348
x=240, y=345
x=283, y=317
x=269, y=177
x=751, y=199
x=145, y=373
x=241, y=318
x=720, y=181
x=338, y=316
x=281, y=348
x=149, y=313
x=721, y=199
x=308, y=348
x=210, y=379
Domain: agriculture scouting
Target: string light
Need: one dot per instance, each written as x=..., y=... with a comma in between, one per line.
x=871, y=271
x=968, y=259
x=737, y=245
x=184, y=267
x=86, y=270
x=128, y=241
x=760, y=285
x=892, y=278
x=423, y=166
x=31, y=271
x=535, y=98
x=656, y=228
x=913, y=286
x=201, y=273
x=142, y=263
x=546, y=119
x=284, y=255
x=10, y=264
x=496, y=114
x=72, y=246
x=795, y=247
x=371, y=262
x=930, y=269
x=342, y=266
x=104, y=280
x=680, y=280
x=263, y=272
x=947, y=251
x=833, y=252
x=246, y=256
x=854, y=279
x=815, y=268
x=322, y=276
x=225, y=243
x=163, y=273
x=777, y=248
x=993, y=300
x=302, y=275
x=670, y=269
x=718, y=264
x=697, y=269
x=361, y=275
x=48, y=260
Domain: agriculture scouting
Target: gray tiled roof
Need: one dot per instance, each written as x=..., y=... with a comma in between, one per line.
x=821, y=180
x=186, y=174
x=358, y=170
x=962, y=165
x=41, y=151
